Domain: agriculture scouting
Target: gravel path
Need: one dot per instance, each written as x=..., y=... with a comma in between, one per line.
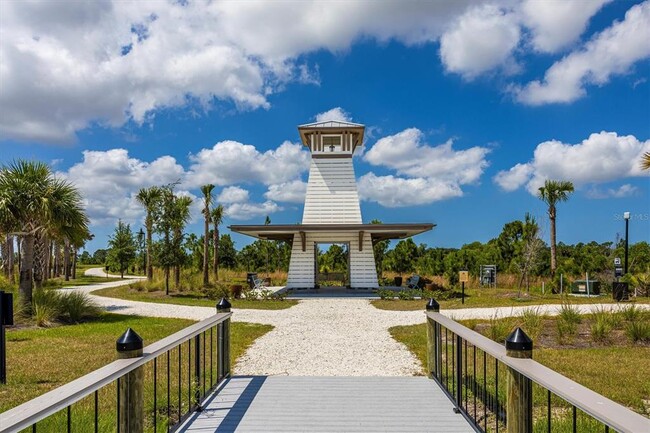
x=319, y=337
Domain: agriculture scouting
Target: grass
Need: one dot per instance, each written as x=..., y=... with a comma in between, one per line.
x=190, y=298
x=489, y=297
x=614, y=366
x=39, y=360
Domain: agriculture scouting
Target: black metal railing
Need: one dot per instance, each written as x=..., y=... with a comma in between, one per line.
x=169, y=380
x=497, y=389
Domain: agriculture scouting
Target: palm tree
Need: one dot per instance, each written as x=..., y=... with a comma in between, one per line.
x=40, y=204
x=207, y=200
x=149, y=198
x=217, y=218
x=180, y=217
x=553, y=192
x=645, y=161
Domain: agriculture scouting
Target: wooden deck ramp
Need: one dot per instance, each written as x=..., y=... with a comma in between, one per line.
x=327, y=404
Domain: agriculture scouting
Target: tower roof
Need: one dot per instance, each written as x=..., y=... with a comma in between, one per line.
x=332, y=127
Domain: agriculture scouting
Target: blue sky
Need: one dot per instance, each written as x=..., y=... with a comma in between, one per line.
x=469, y=106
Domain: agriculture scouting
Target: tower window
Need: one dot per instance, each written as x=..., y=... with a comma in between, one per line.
x=330, y=142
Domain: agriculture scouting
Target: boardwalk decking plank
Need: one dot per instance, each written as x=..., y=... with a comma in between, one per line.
x=328, y=404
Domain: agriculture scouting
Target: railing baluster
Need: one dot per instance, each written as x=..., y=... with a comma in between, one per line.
x=69, y=419
x=548, y=410
x=155, y=394
x=118, y=404
x=96, y=412
x=197, y=369
x=459, y=372
x=474, y=379
x=485, y=390
x=204, y=372
x=575, y=424
x=496, y=391
x=211, y=364
x=189, y=374
x=180, y=354
x=169, y=408
x=465, y=374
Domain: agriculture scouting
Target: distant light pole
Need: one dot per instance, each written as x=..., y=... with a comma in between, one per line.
x=626, y=216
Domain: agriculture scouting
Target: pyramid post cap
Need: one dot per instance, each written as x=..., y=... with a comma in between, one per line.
x=518, y=340
x=433, y=305
x=223, y=305
x=128, y=341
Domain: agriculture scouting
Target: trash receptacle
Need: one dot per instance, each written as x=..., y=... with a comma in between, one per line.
x=619, y=291
x=250, y=278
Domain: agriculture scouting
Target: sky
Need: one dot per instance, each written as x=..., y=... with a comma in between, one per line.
x=469, y=107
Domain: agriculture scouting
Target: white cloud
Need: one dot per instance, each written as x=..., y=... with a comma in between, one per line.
x=110, y=180
x=64, y=68
x=429, y=173
x=292, y=192
x=336, y=113
x=391, y=191
x=480, y=40
x=247, y=211
x=626, y=190
x=512, y=179
x=407, y=153
x=556, y=24
x=233, y=194
x=231, y=162
x=611, y=52
x=602, y=157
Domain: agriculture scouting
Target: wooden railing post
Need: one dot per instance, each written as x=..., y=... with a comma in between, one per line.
x=130, y=392
x=433, y=340
x=223, y=340
x=519, y=399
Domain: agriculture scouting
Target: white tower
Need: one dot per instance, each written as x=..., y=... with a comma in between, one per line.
x=332, y=199
x=332, y=213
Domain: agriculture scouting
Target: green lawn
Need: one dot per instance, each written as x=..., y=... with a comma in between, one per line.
x=39, y=360
x=619, y=372
x=479, y=298
x=190, y=298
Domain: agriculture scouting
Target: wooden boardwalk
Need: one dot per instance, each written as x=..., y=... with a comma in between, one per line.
x=327, y=404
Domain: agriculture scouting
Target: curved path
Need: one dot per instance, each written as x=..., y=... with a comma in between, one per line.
x=318, y=337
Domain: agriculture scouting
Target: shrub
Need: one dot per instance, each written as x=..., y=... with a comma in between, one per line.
x=217, y=291
x=409, y=294
x=532, y=321
x=499, y=328
x=385, y=294
x=570, y=314
x=566, y=329
x=77, y=306
x=52, y=306
x=638, y=331
x=631, y=313
x=601, y=327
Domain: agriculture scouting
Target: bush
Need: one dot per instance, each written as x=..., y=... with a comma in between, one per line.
x=601, y=328
x=566, y=329
x=77, y=306
x=638, y=331
x=217, y=291
x=631, y=313
x=409, y=294
x=53, y=306
x=499, y=328
x=570, y=314
x=532, y=321
x=385, y=294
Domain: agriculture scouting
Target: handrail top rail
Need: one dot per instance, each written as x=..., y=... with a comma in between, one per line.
x=34, y=410
x=598, y=406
